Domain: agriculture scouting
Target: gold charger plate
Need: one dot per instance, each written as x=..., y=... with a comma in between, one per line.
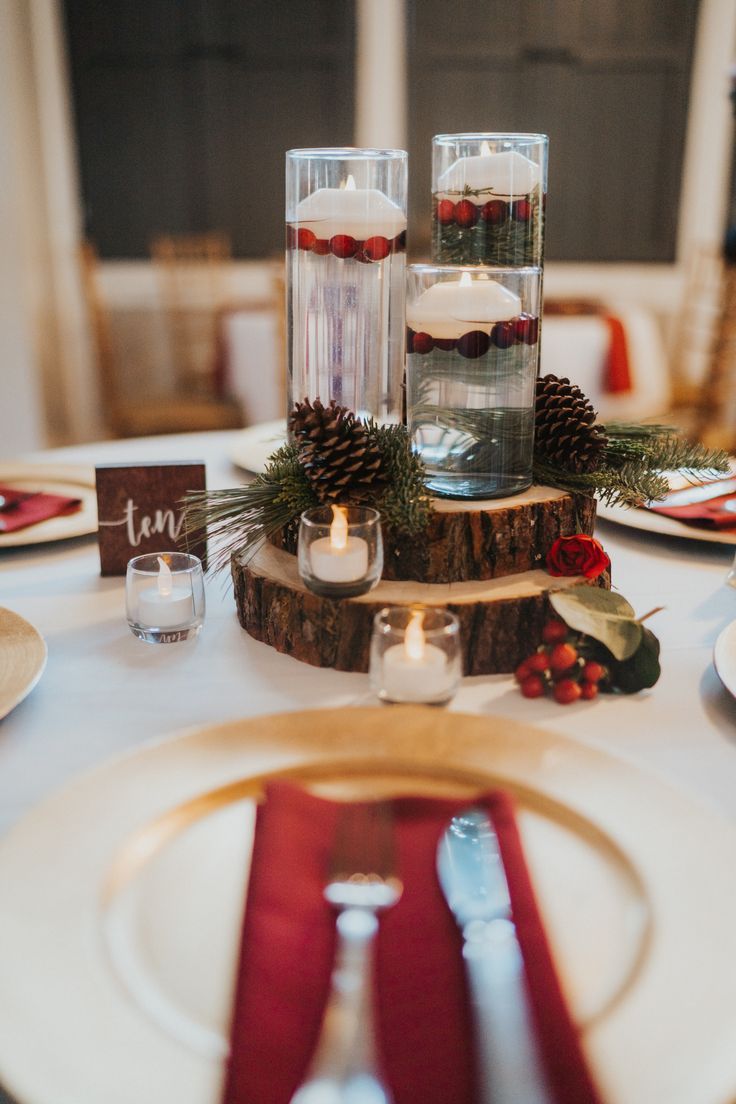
x=72, y=481
x=23, y=657
x=126, y=894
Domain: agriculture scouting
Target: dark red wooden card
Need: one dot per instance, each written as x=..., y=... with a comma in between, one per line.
x=140, y=510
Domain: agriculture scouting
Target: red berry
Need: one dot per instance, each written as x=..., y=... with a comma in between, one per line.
x=495, y=211
x=466, y=213
x=521, y=210
x=447, y=344
x=554, y=631
x=306, y=238
x=566, y=691
x=538, y=661
x=473, y=344
x=593, y=672
x=321, y=247
x=398, y=245
x=588, y=690
x=377, y=248
x=562, y=657
x=503, y=335
x=527, y=329
x=423, y=343
x=522, y=671
x=363, y=257
x=343, y=246
x=532, y=687
x=445, y=211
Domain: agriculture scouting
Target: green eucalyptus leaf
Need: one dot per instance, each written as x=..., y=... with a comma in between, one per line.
x=605, y=616
x=641, y=670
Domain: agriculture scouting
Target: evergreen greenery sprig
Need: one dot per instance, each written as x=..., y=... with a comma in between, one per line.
x=507, y=243
x=631, y=470
x=240, y=519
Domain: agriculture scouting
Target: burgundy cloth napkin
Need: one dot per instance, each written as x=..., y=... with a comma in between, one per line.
x=617, y=373
x=703, y=515
x=424, y=1025
x=32, y=508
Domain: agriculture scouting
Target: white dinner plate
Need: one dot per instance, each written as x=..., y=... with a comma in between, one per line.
x=122, y=900
x=724, y=657
x=252, y=447
x=638, y=518
x=74, y=482
x=22, y=659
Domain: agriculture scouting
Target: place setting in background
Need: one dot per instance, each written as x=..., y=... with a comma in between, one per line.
x=23, y=657
x=40, y=504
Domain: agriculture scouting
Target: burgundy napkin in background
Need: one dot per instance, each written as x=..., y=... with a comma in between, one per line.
x=703, y=515
x=33, y=508
x=617, y=373
x=424, y=1025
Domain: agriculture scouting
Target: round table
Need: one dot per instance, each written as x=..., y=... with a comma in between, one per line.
x=105, y=692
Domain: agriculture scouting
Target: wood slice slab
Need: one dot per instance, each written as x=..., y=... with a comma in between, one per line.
x=500, y=619
x=484, y=539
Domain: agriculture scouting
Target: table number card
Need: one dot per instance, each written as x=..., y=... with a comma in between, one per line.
x=140, y=510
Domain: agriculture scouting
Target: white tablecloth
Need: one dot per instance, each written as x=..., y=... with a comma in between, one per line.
x=104, y=692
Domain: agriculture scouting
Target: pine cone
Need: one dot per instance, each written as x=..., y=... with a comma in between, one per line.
x=565, y=427
x=335, y=451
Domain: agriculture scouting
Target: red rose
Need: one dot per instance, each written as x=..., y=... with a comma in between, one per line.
x=577, y=555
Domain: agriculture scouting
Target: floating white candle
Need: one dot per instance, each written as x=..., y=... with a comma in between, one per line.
x=360, y=212
x=451, y=308
x=339, y=558
x=166, y=605
x=416, y=671
x=507, y=173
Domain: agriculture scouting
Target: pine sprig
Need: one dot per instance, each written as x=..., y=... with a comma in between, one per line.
x=239, y=519
x=508, y=243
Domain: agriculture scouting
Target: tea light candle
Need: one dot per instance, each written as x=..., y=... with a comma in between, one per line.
x=165, y=605
x=506, y=174
x=416, y=671
x=449, y=308
x=360, y=212
x=339, y=558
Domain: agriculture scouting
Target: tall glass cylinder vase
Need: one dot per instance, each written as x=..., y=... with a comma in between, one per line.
x=472, y=357
x=345, y=278
x=489, y=196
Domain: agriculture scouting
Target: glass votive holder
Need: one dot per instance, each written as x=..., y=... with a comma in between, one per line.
x=340, y=550
x=164, y=597
x=415, y=655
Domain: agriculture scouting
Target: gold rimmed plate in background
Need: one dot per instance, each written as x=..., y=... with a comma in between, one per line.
x=22, y=659
x=70, y=481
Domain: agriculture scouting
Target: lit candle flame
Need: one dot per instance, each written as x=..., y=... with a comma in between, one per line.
x=349, y=184
x=414, y=640
x=339, y=529
x=485, y=149
x=164, y=578
x=466, y=279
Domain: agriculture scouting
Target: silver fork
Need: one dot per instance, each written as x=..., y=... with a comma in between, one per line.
x=361, y=884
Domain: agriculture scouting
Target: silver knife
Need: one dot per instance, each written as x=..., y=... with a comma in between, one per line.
x=474, y=883
x=703, y=492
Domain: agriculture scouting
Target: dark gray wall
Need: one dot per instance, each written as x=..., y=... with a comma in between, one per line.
x=184, y=109
x=606, y=79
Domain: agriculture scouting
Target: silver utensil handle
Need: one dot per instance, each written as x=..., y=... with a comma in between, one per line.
x=510, y=1066
x=344, y=1064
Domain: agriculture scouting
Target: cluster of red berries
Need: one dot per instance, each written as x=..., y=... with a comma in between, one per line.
x=466, y=213
x=558, y=666
x=476, y=343
x=345, y=246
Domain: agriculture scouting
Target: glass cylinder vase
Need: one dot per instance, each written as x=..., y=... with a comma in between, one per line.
x=345, y=271
x=472, y=359
x=489, y=195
